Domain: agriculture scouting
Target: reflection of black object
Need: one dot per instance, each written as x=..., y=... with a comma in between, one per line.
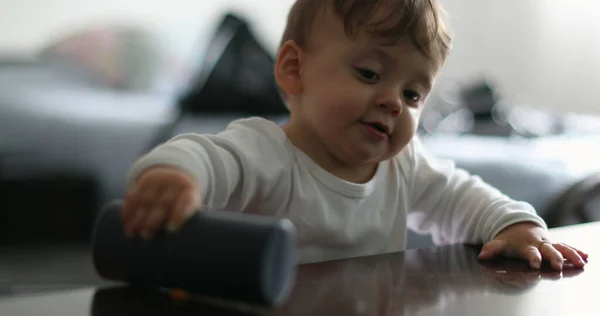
x=225, y=255
x=126, y=301
x=236, y=75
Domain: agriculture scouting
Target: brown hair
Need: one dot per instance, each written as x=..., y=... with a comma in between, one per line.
x=419, y=21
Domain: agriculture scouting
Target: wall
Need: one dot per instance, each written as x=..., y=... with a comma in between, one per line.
x=541, y=52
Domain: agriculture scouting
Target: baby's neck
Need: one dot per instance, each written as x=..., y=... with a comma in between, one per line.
x=355, y=175
x=322, y=157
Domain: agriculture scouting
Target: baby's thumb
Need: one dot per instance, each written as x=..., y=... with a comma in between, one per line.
x=492, y=249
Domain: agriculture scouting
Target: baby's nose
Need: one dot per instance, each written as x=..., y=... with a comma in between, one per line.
x=390, y=100
x=393, y=107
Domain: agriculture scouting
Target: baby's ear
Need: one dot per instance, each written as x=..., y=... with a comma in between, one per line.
x=287, y=68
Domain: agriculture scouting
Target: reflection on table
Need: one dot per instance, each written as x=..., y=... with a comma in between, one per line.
x=440, y=280
x=446, y=280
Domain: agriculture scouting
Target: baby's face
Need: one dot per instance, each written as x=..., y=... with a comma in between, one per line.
x=361, y=100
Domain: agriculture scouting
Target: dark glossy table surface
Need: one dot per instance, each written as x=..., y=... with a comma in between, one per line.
x=438, y=281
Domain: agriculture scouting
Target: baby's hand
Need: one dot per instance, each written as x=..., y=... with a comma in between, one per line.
x=530, y=242
x=161, y=196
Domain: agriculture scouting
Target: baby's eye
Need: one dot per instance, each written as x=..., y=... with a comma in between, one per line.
x=368, y=75
x=412, y=96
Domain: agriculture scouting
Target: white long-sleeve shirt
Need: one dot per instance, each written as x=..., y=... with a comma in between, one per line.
x=253, y=167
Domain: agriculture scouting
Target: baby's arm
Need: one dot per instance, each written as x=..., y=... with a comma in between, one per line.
x=192, y=172
x=456, y=207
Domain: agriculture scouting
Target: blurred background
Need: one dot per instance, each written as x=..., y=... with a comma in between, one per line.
x=88, y=86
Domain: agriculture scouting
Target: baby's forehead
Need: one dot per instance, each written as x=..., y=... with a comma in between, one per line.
x=363, y=45
x=382, y=26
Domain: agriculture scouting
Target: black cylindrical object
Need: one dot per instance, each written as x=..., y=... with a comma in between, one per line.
x=227, y=255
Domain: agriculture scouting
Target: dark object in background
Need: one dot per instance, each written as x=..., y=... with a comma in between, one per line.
x=43, y=103
x=478, y=108
x=34, y=209
x=481, y=99
x=233, y=256
x=471, y=108
x=578, y=204
x=236, y=75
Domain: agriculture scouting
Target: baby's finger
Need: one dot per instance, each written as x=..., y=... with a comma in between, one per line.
x=151, y=222
x=159, y=214
x=130, y=204
x=533, y=256
x=570, y=254
x=549, y=253
x=492, y=249
x=582, y=254
x=137, y=217
x=184, y=209
x=132, y=207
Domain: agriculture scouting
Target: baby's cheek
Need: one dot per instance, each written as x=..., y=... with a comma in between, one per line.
x=406, y=128
x=338, y=107
x=410, y=120
x=342, y=100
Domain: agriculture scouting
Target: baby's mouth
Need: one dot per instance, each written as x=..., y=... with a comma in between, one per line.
x=379, y=127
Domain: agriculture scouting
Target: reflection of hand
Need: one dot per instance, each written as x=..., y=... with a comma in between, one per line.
x=529, y=242
x=360, y=286
x=511, y=277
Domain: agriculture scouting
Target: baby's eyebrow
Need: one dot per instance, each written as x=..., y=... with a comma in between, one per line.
x=422, y=78
x=383, y=55
x=425, y=80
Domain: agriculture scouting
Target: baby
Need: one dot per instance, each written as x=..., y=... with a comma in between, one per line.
x=346, y=169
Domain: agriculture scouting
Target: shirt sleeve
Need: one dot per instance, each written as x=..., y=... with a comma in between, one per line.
x=232, y=168
x=457, y=207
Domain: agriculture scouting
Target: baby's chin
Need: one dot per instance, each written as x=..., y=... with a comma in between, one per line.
x=398, y=142
x=389, y=155
x=375, y=156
